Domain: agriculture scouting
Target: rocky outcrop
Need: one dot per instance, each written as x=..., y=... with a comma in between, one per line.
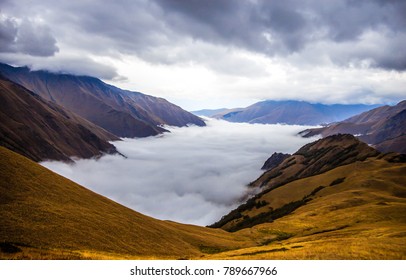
x=274, y=160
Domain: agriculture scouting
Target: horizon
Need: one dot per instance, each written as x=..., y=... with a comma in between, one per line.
x=213, y=54
x=193, y=107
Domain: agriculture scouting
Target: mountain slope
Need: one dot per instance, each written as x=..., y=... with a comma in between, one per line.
x=292, y=112
x=123, y=113
x=45, y=215
x=353, y=208
x=312, y=159
x=42, y=130
x=383, y=127
x=355, y=211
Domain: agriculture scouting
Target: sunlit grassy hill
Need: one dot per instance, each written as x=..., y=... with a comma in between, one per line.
x=44, y=215
x=354, y=211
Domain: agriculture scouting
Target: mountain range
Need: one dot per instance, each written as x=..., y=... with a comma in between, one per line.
x=335, y=198
x=383, y=127
x=288, y=112
x=121, y=112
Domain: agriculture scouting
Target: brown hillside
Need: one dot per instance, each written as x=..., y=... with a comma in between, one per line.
x=383, y=127
x=42, y=130
x=123, y=113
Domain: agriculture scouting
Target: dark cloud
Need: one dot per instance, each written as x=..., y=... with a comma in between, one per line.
x=285, y=27
x=191, y=175
x=161, y=31
x=27, y=37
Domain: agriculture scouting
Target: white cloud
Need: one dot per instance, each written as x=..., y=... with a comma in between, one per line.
x=191, y=175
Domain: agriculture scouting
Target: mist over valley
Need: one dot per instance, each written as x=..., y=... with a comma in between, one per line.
x=190, y=175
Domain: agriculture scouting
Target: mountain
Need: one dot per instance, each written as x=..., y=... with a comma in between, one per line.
x=354, y=211
x=312, y=159
x=333, y=192
x=208, y=112
x=123, y=113
x=42, y=130
x=44, y=215
x=292, y=112
x=383, y=127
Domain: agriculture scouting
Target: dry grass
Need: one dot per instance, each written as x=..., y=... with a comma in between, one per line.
x=363, y=217
x=46, y=211
x=46, y=216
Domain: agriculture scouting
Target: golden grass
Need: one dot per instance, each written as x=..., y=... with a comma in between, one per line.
x=47, y=216
x=44, y=210
x=363, y=217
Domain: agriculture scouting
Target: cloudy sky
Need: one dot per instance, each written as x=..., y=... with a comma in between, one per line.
x=191, y=175
x=216, y=53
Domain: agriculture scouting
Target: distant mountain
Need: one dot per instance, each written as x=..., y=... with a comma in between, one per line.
x=123, y=113
x=292, y=112
x=42, y=130
x=383, y=127
x=311, y=176
x=208, y=112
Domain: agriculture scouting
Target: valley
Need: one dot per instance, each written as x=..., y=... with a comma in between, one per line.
x=142, y=178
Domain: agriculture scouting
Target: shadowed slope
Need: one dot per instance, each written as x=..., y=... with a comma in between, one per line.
x=123, y=113
x=43, y=130
x=383, y=127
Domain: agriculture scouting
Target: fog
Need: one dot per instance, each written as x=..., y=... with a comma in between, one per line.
x=191, y=175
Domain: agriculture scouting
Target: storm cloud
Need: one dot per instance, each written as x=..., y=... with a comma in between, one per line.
x=248, y=50
x=191, y=175
x=27, y=37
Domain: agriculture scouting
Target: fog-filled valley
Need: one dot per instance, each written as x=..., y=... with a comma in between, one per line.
x=190, y=175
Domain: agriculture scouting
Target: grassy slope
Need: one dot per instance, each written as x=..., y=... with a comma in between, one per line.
x=361, y=218
x=48, y=216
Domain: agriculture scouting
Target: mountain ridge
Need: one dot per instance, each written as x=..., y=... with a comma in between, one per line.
x=42, y=130
x=383, y=127
x=292, y=112
x=123, y=113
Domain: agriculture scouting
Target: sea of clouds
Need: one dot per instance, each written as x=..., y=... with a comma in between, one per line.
x=191, y=175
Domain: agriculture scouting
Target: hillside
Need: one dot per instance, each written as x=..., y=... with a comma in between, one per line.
x=123, y=113
x=312, y=159
x=354, y=211
x=42, y=130
x=317, y=203
x=44, y=215
x=383, y=127
x=292, y=112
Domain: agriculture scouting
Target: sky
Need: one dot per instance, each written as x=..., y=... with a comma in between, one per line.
x=192, y=175
x=218, y=53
